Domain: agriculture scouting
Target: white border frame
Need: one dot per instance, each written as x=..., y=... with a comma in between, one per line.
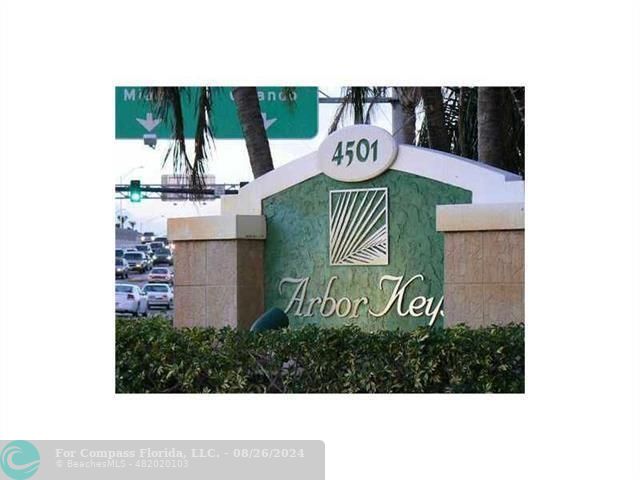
x=487, y=184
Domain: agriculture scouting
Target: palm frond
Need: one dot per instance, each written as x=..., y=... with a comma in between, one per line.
x=289, y=94
x=337, y=117
x=203, y=141
x=376, y=93
x=354, y=100
x=167, y=105
x=407, y=96
x=460, y=119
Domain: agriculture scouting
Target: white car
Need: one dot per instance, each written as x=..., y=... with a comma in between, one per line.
x=159, y=294
x=148, y=237
x=160, y=275
x=130, y=299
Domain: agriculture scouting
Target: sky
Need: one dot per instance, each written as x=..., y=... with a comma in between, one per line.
x=229, y=163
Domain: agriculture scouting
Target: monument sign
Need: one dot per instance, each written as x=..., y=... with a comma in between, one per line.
x=349, y=234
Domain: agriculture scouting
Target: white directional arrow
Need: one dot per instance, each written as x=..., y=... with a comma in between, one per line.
x=149, y=123
x=267, y=123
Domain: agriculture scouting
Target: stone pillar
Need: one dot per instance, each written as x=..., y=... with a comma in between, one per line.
x=483, y=263
x=218, y=262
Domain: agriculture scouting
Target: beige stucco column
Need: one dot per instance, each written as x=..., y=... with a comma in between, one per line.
x=483, y=263
x=218, y=262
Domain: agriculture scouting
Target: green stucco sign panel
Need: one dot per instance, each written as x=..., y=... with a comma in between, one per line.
x=375, y=239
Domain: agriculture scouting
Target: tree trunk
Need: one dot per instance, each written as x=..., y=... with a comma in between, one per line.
x=409, y=126
x=463, y=149
x=491, y=131
x=518, y=98
x=403, y=115
x=434, y=113
x=255, y=135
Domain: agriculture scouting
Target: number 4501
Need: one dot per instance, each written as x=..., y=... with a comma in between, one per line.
x=362, y=151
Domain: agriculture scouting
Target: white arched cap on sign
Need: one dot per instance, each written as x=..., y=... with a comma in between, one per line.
x=357, y=153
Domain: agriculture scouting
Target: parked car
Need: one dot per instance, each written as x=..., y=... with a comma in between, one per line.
x=159, y=294
x=137, y=261
x=122, y=268
x=161, y=275
x=147, y=237
x=163, y=256
x=130, y=299
x=130, y=250
x=119, y=252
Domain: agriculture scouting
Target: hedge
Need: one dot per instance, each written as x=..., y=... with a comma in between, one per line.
x=152, y=356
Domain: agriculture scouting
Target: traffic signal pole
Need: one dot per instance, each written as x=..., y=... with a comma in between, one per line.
x=212, y=192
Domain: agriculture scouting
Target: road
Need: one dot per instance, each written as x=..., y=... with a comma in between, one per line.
x=140, y=279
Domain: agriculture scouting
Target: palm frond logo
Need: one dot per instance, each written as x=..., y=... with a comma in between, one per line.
x=358, y=232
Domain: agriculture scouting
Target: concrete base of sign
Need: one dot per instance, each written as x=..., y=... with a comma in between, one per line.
x=483, y=263
x=218, y=270
x=219, y=227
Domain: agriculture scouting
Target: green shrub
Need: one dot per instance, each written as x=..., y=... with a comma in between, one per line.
x=152, y=356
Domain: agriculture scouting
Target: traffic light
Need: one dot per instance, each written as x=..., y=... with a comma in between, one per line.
x=135, y=193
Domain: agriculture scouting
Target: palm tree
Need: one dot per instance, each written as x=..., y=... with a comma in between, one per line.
x=168, y=106
x=464, y=103
x=255, y=135
x=491, y=148
x=121, y=220
x=404, y=114
x=501, y=127
x=451, y=120
x=485, y=123
x=434, y=118
x=132, y=224
x=460, y=121
x=354, y=100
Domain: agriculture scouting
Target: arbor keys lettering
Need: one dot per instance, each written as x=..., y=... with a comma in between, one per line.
x=301, y=306
x=357, y=153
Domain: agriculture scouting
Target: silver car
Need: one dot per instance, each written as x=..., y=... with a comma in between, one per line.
x=137, y=261
x=159, y=294
x=122, y=268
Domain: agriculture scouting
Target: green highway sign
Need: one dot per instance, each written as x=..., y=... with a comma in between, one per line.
x=135, y=114
x=283, y=119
